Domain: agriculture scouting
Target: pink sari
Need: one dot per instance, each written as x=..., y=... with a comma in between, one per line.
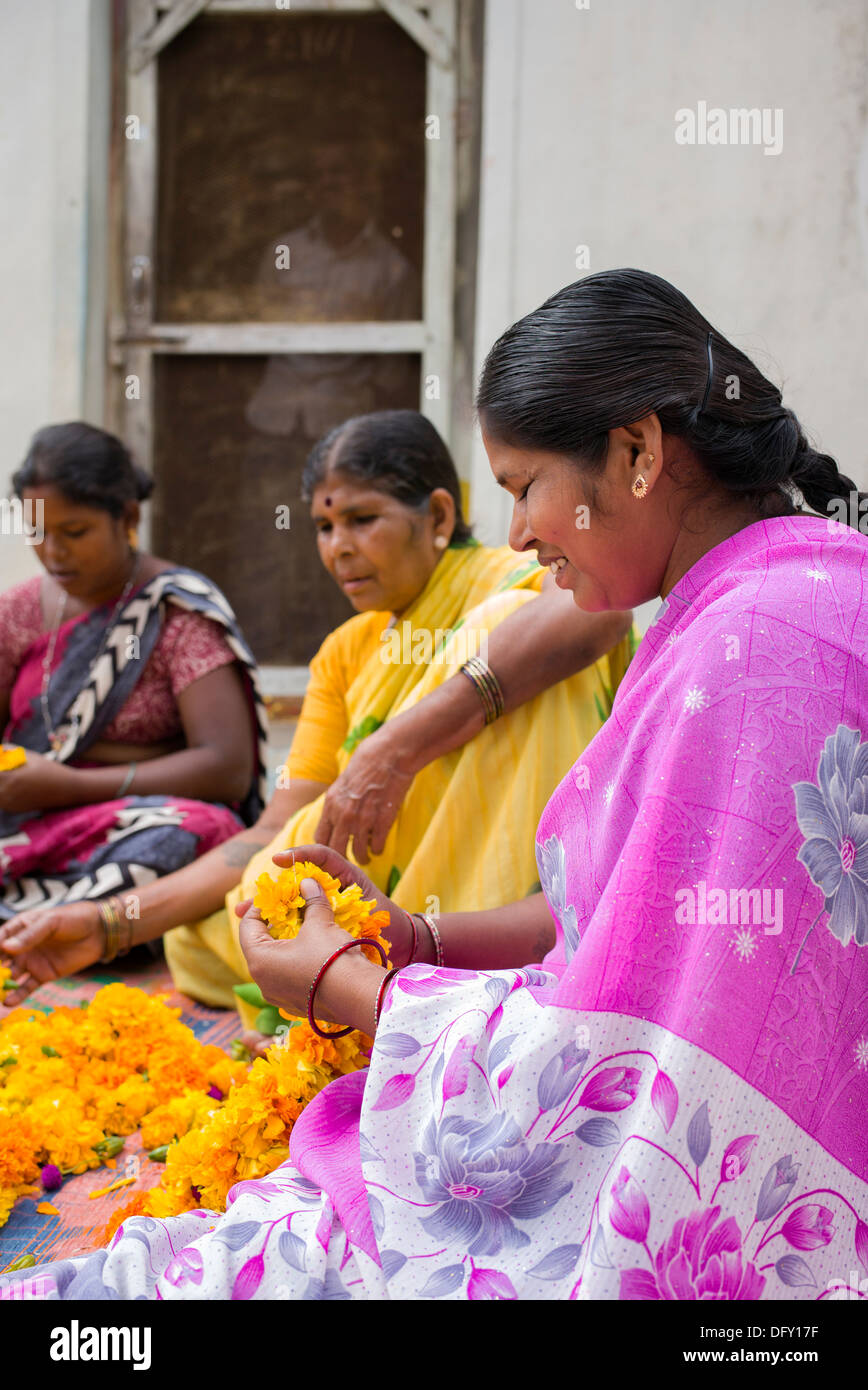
x=673, y=1105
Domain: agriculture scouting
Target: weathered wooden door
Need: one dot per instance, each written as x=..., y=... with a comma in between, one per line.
x=288, y=260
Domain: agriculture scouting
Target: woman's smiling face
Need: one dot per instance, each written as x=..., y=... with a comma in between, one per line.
x=600, y=539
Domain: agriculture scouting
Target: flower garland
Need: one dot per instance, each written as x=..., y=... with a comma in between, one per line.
x=74, y=1082
x=248, y=1136
x=11, y=756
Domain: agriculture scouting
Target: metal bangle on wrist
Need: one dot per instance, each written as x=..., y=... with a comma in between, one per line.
x=487, y=687
x=433, y=931
x=117, y=930
x=127, y=782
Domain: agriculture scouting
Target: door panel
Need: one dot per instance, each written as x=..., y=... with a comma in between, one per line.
x=268, y=123
x=231, y=435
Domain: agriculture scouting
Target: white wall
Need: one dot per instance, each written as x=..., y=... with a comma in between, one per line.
x=53, y=80
x=579, y=148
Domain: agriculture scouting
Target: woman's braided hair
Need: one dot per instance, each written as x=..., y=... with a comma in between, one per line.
x=617, y=346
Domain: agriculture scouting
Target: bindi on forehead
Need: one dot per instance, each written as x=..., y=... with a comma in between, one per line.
x=328, y=502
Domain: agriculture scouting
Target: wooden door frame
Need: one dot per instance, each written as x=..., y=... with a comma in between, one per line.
x=136, y=338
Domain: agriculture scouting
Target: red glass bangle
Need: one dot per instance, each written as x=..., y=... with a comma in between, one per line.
x=381, y=992
x=415, y=949
x=437, y=940
x=348, y=946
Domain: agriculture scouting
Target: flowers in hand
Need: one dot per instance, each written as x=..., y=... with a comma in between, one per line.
x=281, y=902
x=247, y=1136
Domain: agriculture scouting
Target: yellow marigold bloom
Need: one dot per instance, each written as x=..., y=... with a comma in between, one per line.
x=18, y=1139
x=174, y=1118
x=280, y=900
x=8, y=1198
x=248, y=1136
x=11, y=757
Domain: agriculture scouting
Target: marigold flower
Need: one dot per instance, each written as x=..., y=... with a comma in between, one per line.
x=281, y=902
x=74, y=1082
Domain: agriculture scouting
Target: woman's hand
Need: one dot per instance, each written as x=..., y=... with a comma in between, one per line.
x=48, y=943
x=285, y=970
x=40, y=784
x=400, y=929
x=364, y=801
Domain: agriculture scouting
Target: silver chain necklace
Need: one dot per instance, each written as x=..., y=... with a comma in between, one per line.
x=55, y=739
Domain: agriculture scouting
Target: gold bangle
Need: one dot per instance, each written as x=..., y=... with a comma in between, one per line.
x=110, y=919
x=110, y=916
x=487, y=687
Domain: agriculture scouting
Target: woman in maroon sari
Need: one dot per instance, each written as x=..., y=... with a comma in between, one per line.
x=126, y=680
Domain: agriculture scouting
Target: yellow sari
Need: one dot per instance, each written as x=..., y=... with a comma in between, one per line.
x=464, y=836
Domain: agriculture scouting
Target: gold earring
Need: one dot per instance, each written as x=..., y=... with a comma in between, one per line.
x=650, y=458
x=440, y=542
x=133, y=538
x=640, y=487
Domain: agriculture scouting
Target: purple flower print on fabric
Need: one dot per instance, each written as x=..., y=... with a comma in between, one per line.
x=833, y=817
x=483, y=1176
x=559, y=1076
x=778, y=1184
x=701, y=1259
x=186, y=1268
x=551, y=862
x=630, y=1213
x=809, y=1227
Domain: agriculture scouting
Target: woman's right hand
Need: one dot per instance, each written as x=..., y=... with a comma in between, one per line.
x=399, y=931
x=48, y=943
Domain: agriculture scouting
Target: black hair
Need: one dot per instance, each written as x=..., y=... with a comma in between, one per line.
x=617, y=346
x=398, y=452
x=89, y=466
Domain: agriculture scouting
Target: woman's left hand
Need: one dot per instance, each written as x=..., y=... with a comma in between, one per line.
x=365, y=800
x=40, y=784
x=285, y=970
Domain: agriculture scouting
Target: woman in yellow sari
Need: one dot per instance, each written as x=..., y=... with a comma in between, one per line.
x=434, y=727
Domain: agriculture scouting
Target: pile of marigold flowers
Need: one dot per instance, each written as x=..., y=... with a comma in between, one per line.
x=75, y=1080
x=248, y=1136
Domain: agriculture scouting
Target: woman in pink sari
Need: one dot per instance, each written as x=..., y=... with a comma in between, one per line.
x=649, y=1082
